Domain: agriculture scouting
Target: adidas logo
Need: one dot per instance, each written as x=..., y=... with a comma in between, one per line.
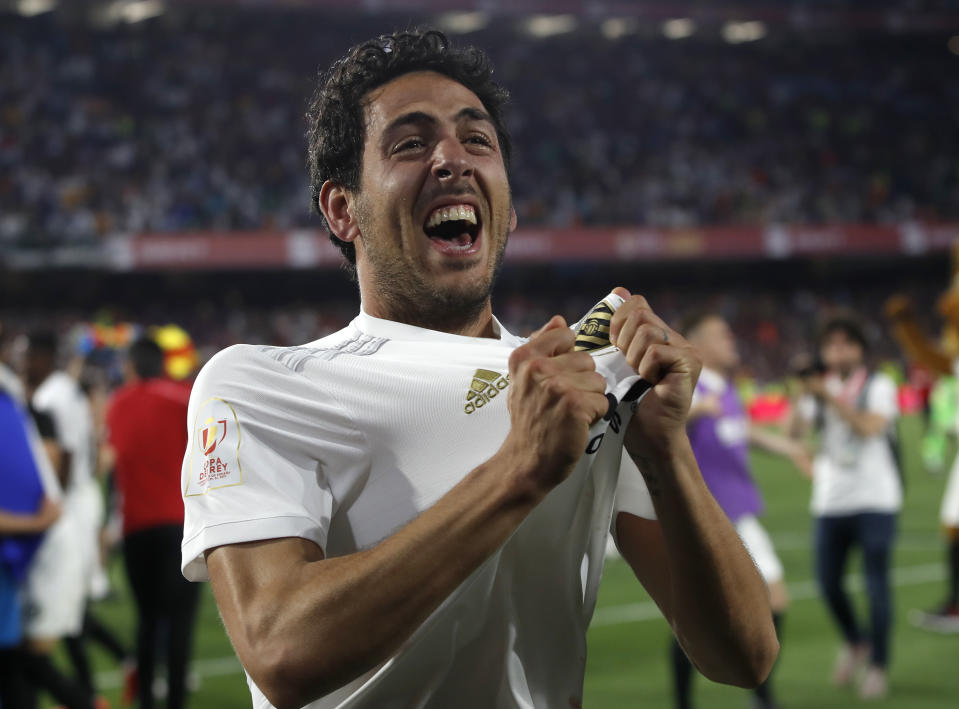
x=592, y=332
x=485, y=386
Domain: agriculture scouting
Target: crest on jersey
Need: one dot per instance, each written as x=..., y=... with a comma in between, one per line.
x=486, y=386
x=212, y=435
x=214, y=449
x=592, y=333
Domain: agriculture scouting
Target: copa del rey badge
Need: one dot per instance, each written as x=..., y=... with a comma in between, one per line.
x=214, y=449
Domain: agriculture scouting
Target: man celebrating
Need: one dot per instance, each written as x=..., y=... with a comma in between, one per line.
x=413, y=511
x=721, y=434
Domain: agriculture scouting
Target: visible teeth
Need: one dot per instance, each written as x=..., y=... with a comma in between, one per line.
x=459, y=212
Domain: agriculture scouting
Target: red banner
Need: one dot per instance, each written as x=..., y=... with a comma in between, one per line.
x=312, y=248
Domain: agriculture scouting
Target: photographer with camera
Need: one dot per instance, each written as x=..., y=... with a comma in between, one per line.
x=857, y=490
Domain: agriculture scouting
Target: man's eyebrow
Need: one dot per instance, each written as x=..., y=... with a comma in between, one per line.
x=473, y=114
x=419, y=117
x=411, y=118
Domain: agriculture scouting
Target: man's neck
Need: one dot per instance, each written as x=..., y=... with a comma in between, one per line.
x=455, y=323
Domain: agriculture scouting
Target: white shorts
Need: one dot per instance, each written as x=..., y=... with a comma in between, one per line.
x=55, y=593
x=90, y=512
x=760, y=548
x=949, y=513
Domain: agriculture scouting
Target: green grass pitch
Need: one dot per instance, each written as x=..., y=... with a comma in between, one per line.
x=628, y=644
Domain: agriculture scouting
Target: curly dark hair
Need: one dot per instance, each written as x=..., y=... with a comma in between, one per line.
x=337, y=126
x=846, y=322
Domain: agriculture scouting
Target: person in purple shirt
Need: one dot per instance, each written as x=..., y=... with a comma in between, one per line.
x=720, y=433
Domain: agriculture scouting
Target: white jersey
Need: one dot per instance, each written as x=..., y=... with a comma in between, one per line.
x=346, y=439
x=60, y=397
x=54, y=595
x=852, y=473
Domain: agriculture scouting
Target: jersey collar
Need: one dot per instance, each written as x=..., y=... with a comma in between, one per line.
x=392, y=330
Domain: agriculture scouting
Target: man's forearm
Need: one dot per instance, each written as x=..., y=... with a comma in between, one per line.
x=342, y=616
x=773, y=442
x=863, y=423
x=719, y=603
x=17, y=523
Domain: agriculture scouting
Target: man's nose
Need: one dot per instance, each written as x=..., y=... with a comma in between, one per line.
x=451, y=161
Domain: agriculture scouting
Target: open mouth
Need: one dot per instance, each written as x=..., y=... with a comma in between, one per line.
x=453, y=229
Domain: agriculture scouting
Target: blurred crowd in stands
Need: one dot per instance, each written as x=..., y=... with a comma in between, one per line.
x=195, y=120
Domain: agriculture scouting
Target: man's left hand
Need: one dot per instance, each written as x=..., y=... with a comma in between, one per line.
x=666, y=360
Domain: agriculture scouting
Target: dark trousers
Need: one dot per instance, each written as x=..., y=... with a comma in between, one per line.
x=836, y=536
x=13, y=687
x=166, y=607
x=39, y=673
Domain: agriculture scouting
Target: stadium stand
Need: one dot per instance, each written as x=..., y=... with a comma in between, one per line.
x=168, y=126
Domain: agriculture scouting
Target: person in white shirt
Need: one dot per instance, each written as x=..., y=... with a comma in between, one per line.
x=59, y=580
x=413, y=511
x=857, y=491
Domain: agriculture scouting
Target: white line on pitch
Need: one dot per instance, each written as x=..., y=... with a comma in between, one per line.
x=908, y=541
x=211, y=667
x=799, y=591
x=610, y=615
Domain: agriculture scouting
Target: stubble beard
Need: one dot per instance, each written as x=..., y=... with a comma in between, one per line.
x=412, y=299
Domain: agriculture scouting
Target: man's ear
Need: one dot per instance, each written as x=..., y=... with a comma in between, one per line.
x=336, y=203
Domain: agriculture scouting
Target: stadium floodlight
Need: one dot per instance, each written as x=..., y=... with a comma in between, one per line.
x=29, y=8
x=739, y=32
x=616, y=27
x=549, y=25
x=678, y=28
x=132, y=11
x=462, y=22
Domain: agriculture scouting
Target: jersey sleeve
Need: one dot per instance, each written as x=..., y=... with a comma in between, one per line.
x=883, y=397
x=263, y=444
x=631, y=493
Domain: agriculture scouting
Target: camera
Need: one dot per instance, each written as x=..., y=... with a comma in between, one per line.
x=806, y=367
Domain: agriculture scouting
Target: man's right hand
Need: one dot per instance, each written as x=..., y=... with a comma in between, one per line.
x=555, y=395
